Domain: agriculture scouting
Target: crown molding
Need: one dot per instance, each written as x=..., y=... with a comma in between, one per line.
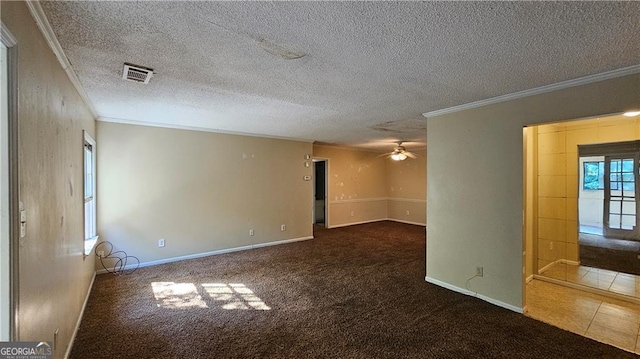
x=196, y=128
x=52, y=40
x=631, y=70
x=6, y=36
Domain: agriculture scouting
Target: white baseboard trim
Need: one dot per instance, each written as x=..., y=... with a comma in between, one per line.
x=358, y=200
x=354, y=223
x=377, y=220
x=545, y=268
x=473, y=294
x=407, y=222
x=75, y=330
x=211, y=253
x=566, y=261
x=563, y=261
x=529, y=279
x=407, y=200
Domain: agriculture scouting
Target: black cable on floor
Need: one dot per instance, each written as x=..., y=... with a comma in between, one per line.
x=121, y=259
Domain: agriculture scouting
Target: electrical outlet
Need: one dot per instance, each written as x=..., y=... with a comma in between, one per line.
x=160, y=243
x=407, y=213
x=251, y=232
x=101, y=254
x=352, y=213
x=283, y=227
x=479, y=271
x=550, y=246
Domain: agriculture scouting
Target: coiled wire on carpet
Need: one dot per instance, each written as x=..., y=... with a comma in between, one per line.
x=121, y=259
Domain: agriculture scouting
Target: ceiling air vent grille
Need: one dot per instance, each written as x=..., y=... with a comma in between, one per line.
x=137, y=73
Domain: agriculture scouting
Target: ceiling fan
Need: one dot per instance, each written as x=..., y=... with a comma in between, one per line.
x=399, y=153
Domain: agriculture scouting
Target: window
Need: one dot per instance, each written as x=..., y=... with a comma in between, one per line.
x=621, y=175
x=593, y=176
x=90, y=232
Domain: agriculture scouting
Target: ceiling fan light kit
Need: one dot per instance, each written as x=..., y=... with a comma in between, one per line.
x=399, y=153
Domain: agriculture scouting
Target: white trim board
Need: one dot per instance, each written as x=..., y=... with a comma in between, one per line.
x=407, y=200
x=570, y=262
x=563, y=261
x=355, y=223
x=211, y=253
x=6, y=36
x=538, y=90
x=52, y=40
x=407, y=222
x=75, y=330
x=474, y=294
x=376, y=199
x=358, y=200
x=545, y=268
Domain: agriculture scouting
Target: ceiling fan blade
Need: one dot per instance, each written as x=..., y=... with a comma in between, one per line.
x=384, y=154
x=411, y=155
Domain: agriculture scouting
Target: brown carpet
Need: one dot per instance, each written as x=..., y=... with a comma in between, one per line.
x=353, y=292
x=620, y=255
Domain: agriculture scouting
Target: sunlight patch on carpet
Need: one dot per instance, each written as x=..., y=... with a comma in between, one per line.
x=234, y=296
x=177, y=295
x=226, y=296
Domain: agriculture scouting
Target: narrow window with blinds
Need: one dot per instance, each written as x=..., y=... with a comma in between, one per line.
x=90, y=233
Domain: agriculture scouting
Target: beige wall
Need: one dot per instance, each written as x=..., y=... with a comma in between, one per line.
x=407, y=189
x=199, y=191
x=356, y=185
x=53, y=275
x=475, y=184
x=365, y=187
x=558, y=179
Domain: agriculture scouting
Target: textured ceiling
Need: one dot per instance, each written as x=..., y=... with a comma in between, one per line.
x=370, y=70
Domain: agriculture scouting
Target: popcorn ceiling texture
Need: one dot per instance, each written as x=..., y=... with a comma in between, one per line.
x=370, y=70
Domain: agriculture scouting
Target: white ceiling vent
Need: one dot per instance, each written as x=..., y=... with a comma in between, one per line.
x=136, y=73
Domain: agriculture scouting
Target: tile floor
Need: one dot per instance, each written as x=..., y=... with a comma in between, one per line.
x=604, y=319
x=620, y=283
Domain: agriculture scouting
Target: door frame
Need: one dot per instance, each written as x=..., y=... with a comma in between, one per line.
x=11, y=175
x=326, y=190
x=616, y=150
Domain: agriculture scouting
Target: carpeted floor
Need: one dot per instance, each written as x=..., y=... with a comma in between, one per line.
x=353, y=292
x=618, y=255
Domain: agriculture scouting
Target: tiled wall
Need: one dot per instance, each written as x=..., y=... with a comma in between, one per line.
x=557, y=153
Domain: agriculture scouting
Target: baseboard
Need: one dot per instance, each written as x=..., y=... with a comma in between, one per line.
x=563, y=261
x=407, y=222
x=566, y=261
x=360, y=222
x=377, y=220
x=545, y=268
x=75, y=330
x=211, y=253
x=473, y=294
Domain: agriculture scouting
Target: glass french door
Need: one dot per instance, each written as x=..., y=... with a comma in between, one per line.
x=621, y=196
